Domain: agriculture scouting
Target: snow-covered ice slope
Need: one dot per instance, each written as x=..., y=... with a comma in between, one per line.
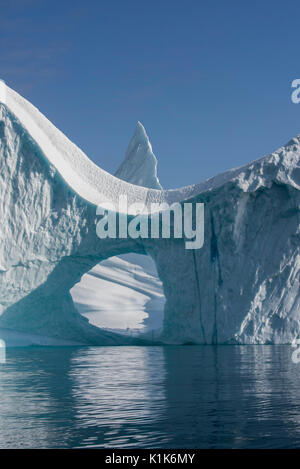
x=89, y=181
x=122, y=293
x=241, y=287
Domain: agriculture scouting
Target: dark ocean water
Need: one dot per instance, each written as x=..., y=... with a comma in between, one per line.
x=150, y=397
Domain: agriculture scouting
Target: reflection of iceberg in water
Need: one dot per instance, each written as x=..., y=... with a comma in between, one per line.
x=82, y=397
x=150, y=397
x=2, y=351
x=36, y=398
x=232, y=397
x=274, y=393
x=121, y=401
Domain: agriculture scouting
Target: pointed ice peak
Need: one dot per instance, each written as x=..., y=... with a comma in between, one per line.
x=140, y=164
x=141, y=132
x=140, y=128
x=140, y=137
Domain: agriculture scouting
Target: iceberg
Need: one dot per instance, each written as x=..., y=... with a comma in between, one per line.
x=242, y=287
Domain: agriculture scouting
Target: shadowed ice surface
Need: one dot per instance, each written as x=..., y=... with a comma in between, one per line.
x=127, y=397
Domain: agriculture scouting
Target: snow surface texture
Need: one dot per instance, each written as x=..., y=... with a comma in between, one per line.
x=241, y=287
x=123, y=293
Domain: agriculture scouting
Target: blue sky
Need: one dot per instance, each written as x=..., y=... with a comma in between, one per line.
x=210, y=80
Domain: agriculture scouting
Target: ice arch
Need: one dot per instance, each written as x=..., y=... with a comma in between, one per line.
x=124, y=293
x=241, y=287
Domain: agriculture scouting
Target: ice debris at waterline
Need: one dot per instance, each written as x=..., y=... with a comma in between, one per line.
x=241, y=287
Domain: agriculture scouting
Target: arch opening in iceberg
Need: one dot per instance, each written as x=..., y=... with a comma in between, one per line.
x=122, y=294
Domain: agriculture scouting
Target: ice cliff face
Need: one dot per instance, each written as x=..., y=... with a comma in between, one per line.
x=241, y=287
